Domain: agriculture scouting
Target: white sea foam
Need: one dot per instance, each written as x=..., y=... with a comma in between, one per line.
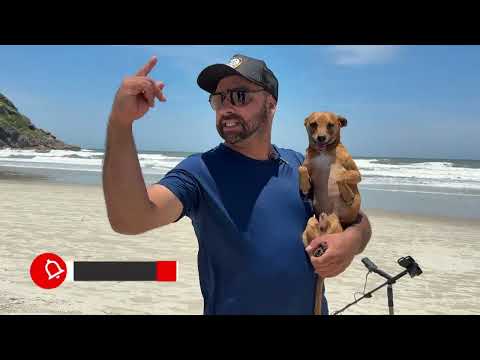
x=389, y=172
x=435, y=174
x=84, y=160
x=424, y=192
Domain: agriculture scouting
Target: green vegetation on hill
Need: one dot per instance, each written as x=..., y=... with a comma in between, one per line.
x=17, y=131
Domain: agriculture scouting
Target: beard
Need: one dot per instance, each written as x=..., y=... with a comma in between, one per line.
x=246, y=129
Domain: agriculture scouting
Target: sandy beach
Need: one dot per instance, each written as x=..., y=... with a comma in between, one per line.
x=71, y=221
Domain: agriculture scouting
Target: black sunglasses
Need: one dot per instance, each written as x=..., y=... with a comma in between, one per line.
x=238, y=97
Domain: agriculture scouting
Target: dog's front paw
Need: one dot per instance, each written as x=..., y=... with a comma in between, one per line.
x=304, y=180
x=341, y=176
x=323, y=223
x=311, y=231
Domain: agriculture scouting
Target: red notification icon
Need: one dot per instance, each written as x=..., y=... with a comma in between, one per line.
x=48, y=271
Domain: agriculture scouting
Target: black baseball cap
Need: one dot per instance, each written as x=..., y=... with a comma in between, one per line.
x=250, y=68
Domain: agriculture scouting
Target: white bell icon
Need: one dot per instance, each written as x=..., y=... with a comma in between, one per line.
x=59, y=269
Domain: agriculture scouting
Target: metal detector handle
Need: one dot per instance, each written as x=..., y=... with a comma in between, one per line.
x=374, y=268
x=383, y=274
x=369, y=264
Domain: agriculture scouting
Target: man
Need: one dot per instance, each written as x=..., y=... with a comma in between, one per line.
x=242, y=196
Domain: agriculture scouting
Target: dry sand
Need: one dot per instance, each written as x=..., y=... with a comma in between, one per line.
x=71, y=221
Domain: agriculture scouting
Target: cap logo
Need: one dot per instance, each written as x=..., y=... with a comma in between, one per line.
x=235, y=62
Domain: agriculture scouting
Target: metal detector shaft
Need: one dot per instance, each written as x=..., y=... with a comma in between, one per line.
x=369, y=294
x=390, y=299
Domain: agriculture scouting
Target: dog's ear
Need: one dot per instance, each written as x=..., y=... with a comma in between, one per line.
x=343, y=121
x=307, y=119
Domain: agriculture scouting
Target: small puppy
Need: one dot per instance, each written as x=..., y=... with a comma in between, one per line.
x=329, y=176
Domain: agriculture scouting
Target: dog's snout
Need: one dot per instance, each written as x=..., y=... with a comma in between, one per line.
x=321, y=138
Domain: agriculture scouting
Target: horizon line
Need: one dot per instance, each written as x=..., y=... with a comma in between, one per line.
x=353, y=155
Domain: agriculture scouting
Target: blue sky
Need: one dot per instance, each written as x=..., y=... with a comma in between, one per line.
x=403, y=101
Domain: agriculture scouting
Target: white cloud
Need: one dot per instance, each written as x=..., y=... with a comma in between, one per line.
x=363, y=54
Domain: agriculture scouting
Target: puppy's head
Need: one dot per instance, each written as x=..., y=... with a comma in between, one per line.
x=323, y=129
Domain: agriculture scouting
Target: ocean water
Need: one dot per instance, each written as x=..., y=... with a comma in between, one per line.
x=434, y=187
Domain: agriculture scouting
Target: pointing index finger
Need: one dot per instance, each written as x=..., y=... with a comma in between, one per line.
x=145, y=70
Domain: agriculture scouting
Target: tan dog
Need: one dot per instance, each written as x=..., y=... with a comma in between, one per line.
x=330, y=177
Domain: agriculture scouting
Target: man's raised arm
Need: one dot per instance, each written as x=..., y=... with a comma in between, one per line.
x=131, y=207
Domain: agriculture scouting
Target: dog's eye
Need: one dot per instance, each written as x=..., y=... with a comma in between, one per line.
x=313, y=126
x=330, y=126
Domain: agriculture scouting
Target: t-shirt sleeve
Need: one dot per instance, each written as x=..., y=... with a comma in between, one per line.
x=185, y=187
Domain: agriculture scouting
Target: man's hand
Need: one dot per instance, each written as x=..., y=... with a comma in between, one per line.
x=136, y=95
x=338, y=256
x=341, y=247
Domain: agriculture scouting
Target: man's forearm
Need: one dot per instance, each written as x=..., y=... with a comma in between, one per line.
x=359, y=233
x=123, y=184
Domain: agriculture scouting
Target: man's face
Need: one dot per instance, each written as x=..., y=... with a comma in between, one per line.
x=236, y=123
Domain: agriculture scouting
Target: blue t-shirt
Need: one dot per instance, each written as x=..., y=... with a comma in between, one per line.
x=248, y=216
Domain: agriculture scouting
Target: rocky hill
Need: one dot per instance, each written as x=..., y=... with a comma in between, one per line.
x=17, y=131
